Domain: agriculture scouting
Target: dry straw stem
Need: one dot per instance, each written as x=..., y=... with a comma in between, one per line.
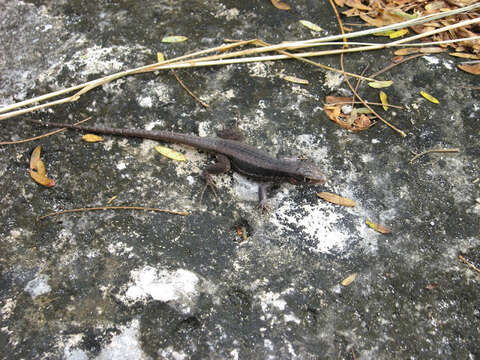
x=454, y=150
x=227, y=58
x=41, y=136
x=181, y=213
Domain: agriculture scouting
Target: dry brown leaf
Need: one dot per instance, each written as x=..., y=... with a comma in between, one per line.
x=432, y=50
x=407, y=51
x=360, y=123
x=37, y=169
x=465, y=55
x=336, y=199
x=338, y=99
x=280, y=5
x=377, y=227
x=340, y=3
x=470, y=68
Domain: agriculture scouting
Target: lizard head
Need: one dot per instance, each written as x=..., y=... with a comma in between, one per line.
x=308, y=173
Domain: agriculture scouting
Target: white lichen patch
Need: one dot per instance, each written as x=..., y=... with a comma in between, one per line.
x=178, y=287
x=125, y=345
x=38, y=286
x=333, y=80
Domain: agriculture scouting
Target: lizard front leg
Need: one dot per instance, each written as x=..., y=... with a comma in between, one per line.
x=220, y=167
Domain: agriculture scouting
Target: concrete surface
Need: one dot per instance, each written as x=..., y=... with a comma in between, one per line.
x=135, y=285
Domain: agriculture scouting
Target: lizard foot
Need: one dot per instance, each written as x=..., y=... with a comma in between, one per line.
x=208, y=183
x=263, y=206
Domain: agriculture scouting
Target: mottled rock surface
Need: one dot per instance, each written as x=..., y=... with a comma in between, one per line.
x=140, y=285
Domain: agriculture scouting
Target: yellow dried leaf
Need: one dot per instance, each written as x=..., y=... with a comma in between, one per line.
x=336, y=199
x=429, y=97
x=280, y=5
x=171, y=154
x=471, y=69
x=349, y=279
x=160, y=57
x=384, y=33
x=92, y=138
x=377, y=227
x=310, y=25
x=398, y=33
x=37, y=169
x=384, y=101
x=295, y=80
x=364, y=110
x=380, y=84
x=174, y=39
x=465, y=55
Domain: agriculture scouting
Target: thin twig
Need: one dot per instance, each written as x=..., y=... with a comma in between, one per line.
x=41, y=136
x=204, y=104
x=470, y=265
x=181, y=213
x=395, y=64
x=368, y=102
x=308, y=61
x=454, y=150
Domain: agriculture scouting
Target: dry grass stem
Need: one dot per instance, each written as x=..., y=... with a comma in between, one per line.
x=41, y=136
x=192, y=60
x=454, y=150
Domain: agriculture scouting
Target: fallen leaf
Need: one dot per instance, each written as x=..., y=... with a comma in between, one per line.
x=407, y=51
x=364, y=110
x=397, y=59
x=398, y=33
x=465, y=55
x=92, y=138
x=349, y=279
x=338, y=99
x=383, y=99
x=432, y=50
x=310, y=25
x=380, y=84
x=295, y=80
x=174, y=39
x=160, y=57
x=429, y=97
x=37, y=169
x=171, y=154
x=280, y=5
x=336, y=199
x=377, y=227
x=471, y=69
x=334, y=112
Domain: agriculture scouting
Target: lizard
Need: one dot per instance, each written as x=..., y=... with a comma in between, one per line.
x=230, y=154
